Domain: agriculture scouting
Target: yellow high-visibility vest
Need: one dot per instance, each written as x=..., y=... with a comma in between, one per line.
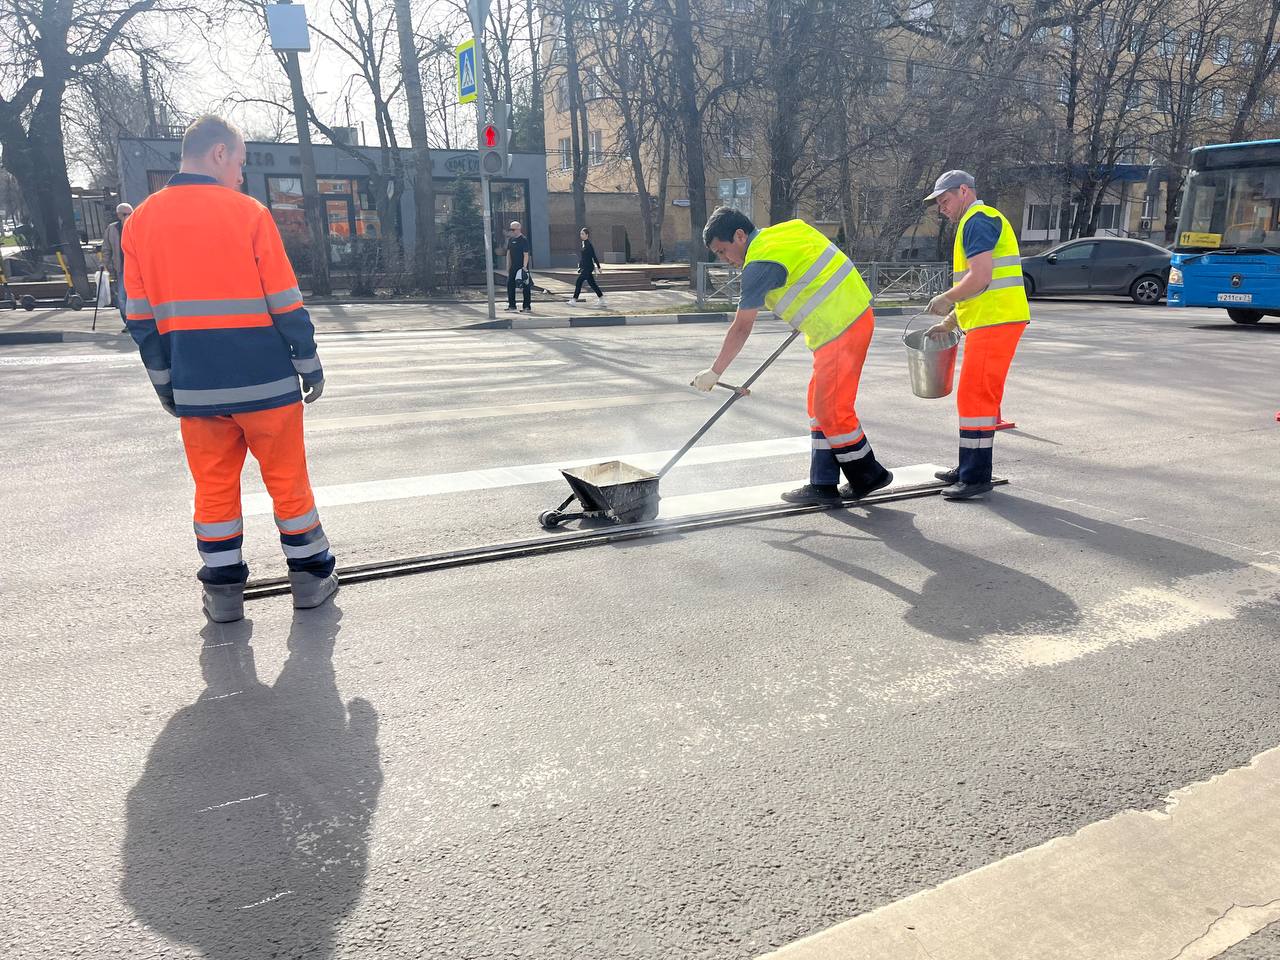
x=1005, y=298
x=824, y=293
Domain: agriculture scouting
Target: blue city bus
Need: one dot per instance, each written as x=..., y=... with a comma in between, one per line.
x=1228, y=244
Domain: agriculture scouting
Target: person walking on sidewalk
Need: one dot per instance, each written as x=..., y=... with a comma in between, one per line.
x=215, y=309
x=587, y=263
x=988, y=304
x=519, y=259
x=113, y=256
x=795, y=271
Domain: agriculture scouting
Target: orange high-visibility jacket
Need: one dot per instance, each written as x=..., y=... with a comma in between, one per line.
x=213, y=303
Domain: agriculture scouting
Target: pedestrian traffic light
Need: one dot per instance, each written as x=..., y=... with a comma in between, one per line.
x=495, y=142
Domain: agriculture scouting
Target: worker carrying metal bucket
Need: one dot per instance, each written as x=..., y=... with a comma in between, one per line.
x=804, y=278
x=988, y=303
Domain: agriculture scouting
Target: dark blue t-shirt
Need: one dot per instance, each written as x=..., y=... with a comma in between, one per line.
x=981, y=232
x=758, y=278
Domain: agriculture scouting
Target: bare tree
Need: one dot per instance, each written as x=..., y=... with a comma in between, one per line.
x=1261, y=63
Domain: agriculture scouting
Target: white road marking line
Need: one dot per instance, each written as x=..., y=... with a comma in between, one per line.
x=1187, y=881
x=768, y=494
x=425, y=387
x=1076, y=525
x=250, y=906
x=364, y=370
x=46, y=361
x=232, y=803
x=492, y=410
x=405, y=488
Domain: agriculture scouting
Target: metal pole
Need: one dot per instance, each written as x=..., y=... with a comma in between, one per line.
x=479, y=10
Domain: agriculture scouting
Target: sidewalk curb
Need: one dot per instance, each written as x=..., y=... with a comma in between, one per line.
x=16, y=337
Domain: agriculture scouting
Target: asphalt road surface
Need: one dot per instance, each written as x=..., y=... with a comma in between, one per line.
x=706, y=745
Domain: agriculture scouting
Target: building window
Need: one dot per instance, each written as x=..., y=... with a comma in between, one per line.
x=731, y=138
x=826, y=205
x=566, y=154
x=737, y=64
x=1268, y=108
x=1064, y=89
x=1109, y=216
x=736, y=194
x=827, y=139
x=591, y=87
x=1133, y=98
x=871, y=205
x=1138, y=39
x=1194, y=52
x=1067, y=33
x=1217, y=103
x=737, y=6
x=1042, y=217
x=596, y=149
x=1163, y=100
x=1248, y=52
x=1222, y=50
x=920, y=11
x=1107, y=29
x=1169, y=44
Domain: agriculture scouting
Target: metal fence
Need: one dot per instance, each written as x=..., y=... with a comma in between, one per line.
x=888, y=281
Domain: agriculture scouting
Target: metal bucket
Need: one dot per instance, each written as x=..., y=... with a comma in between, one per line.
x=624, y=493
x=931, y=361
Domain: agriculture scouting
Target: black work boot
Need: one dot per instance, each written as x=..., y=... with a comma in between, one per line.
x=866, y=483
x=967, y=491
x=948, y=476
x=826, y=494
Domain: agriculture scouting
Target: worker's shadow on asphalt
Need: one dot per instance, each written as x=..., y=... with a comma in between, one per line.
x=248, y=832
x=965, y=598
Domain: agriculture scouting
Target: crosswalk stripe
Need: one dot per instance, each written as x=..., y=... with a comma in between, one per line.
x=424, y=387
x=1187, y=881
x=492, y=410
x=765, y=494
x=405, y=488
x=366, y=371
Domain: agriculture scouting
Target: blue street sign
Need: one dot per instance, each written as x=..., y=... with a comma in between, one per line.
x=466, y=57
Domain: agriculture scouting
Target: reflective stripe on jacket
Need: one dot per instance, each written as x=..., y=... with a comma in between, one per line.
x=824, y=293
x=213, y=302
x=1005, y=298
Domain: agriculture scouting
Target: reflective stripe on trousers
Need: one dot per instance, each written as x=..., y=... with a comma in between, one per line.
x=216, y=449
x=988, y=354
x=837, y=435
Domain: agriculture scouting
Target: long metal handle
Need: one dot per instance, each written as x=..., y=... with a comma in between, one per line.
x=724, y=407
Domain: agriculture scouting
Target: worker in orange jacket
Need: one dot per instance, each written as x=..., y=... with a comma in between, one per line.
x=214, y=307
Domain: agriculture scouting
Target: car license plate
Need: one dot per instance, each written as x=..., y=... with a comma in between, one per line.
x=1235, y=298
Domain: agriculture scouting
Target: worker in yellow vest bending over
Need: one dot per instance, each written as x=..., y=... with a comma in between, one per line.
x=795, y=271
x=988, y=303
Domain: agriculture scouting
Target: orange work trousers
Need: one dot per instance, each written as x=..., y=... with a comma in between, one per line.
x=216, y=448
x=838, y=443
x=988, y=354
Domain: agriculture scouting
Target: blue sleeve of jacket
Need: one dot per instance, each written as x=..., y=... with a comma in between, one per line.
x=981, y=232
x=298, y=331
x=141, y=322
x=284, y=299
x=758, y=278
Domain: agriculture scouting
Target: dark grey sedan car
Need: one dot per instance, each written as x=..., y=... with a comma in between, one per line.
x=1091, y=265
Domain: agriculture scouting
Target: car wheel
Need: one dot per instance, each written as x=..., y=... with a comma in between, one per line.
x=1147, y=291
x=1029, y=285
x=1244, y=316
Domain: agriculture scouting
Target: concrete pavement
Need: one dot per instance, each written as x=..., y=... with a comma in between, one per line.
x=710, y=745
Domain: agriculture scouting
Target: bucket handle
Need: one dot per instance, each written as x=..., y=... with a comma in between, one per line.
x=922, y=313
x=907, y=328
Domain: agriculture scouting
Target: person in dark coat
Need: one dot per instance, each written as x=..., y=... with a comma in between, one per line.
x=588, y=263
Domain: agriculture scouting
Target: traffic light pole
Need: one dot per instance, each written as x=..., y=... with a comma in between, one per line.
x=479, y=11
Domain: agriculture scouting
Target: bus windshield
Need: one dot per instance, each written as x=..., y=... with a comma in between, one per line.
x=1230, y=208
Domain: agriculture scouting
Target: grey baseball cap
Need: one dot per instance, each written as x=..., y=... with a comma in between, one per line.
x=949, y=181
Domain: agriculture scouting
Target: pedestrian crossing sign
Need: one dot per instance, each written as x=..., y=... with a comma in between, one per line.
x=466, y=55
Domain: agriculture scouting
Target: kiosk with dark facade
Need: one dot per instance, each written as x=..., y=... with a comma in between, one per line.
x=272, y=175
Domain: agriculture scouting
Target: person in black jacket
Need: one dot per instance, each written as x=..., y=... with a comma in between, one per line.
x=588, y=262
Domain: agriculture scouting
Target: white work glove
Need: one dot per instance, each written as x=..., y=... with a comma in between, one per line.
x=519, y=276
x=312, y=393
x=945, y=327
x=940, y=305
x=705, y=381
x=169, y=407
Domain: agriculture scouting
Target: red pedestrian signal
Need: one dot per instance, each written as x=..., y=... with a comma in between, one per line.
x=490, y=136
